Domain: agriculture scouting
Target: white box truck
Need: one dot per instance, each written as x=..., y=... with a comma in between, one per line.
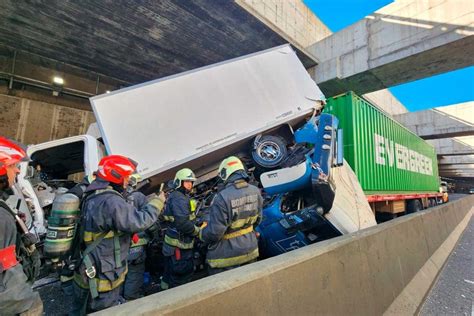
x=263, y=107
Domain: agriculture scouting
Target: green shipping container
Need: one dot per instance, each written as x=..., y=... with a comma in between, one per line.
x=386, y=157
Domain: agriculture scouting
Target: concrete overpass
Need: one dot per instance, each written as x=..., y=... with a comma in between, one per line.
x=441, y=122
x=451, y=129
x=404, y=41
x=458, y=160
x=456, y=146
x=455, y=157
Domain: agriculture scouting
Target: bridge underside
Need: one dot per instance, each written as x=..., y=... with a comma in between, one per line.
x=103, y=45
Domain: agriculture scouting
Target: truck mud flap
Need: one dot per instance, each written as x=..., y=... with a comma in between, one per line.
x=324, y=193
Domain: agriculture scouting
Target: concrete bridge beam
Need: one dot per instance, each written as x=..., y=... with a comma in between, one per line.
x=441, y=122
x=453, y=146
x=404, y=41
x=458, y=160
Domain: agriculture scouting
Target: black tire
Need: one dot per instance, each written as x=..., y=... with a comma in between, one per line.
x=382, y=217
x=433, y=202
x=414, y=206
x=269, y=152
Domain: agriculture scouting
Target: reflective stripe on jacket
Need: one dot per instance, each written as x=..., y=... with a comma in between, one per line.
x=235, y=210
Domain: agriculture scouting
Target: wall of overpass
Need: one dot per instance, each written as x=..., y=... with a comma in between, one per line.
x=290, y=18
x=384, y=269
x=31, y=121
x=404, y=41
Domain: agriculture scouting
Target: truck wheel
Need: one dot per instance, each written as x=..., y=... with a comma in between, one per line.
x=269, y=151
x=413, y=206
x=382, y=217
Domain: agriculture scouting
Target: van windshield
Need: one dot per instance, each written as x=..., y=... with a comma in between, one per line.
x=60, y=161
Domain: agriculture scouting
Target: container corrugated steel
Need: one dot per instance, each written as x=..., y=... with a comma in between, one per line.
x=386, y=157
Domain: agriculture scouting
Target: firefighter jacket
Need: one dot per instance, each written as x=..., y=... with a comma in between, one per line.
x=234, y=212
x=137, y=252
x=16, y=294
x=107, y=224
x=180, y=218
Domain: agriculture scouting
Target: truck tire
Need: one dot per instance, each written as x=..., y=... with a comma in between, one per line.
x=269, y=151
x=382, y=217
x=414, y=206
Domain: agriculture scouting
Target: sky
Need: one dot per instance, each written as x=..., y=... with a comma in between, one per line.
x=444, y=89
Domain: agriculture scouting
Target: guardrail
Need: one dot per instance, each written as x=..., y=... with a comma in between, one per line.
x=388, y=269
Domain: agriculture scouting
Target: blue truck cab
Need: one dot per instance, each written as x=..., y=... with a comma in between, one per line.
x=307, y=181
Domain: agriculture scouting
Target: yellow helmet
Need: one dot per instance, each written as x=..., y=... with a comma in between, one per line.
x=184, y=174
x=228, y=166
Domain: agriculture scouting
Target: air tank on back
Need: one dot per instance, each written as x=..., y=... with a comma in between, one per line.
x=62, y=226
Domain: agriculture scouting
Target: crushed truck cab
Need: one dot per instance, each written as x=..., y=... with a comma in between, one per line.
x=312, y=184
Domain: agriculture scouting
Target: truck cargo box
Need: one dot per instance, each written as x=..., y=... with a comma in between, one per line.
x=386, y=157
x=200, y=116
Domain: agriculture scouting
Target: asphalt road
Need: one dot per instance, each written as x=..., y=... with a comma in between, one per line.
x=452, y=293
x=456, y=196
x=55, y=302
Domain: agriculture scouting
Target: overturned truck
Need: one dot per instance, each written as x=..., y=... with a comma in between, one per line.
x=263, y=108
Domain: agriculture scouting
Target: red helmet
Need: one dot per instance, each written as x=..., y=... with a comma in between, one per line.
x=115, y=168
x=10, y=153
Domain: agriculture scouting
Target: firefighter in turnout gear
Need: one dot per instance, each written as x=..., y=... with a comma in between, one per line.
x=107, y=224
x=234, y=212
x=16, y=246
x=133, y=286
x=66, y=276
x=181, y=231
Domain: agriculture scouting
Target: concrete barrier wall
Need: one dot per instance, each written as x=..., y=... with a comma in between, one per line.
x=362, y=273
x=32, y=122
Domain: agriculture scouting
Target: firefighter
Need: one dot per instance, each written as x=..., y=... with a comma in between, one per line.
x=132, y=287
x=66, y=276
x=234, y=212
x=181, y=231
x=107, y=224
x=16, y=294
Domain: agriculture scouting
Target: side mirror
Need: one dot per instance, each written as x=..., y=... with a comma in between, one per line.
x=30, y=172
